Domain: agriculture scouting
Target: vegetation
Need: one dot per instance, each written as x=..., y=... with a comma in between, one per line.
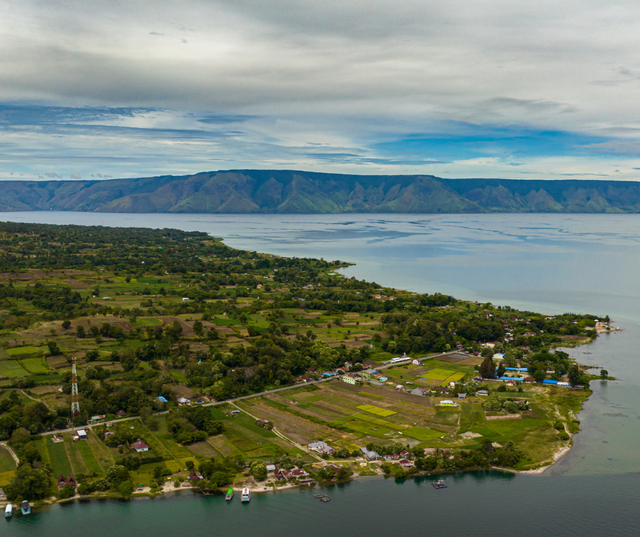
x=178, y=319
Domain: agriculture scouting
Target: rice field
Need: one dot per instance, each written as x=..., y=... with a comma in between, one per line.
x=34, y=365
x=376, y=410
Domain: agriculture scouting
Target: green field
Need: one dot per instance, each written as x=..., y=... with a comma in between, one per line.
x=438, y=374
x=376, y=410
x=59, y=460
x=25, y=351
x=453, y=378
x=12, y=368
x=7, y=464
x=34, y=365
x=422, y=433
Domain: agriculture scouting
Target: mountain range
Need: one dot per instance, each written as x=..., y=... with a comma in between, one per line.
x=278, y=191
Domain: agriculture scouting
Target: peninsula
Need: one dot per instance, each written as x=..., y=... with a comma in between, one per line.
x=201, y=366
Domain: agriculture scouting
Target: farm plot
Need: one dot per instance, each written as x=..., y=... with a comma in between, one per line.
x=423, y=434
x=12, y=368
x=58, y=456
x=376, y=410
x=438, y=374
x=453, y=378
x=75, y=457
x=28, y=350
x=447, y=416
x=472, y=417
x=34, y=365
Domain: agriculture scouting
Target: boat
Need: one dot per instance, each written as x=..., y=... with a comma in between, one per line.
x=229, y=495
x=246, y=495
x=25, y=508
x=440, y=484
x=8, y=511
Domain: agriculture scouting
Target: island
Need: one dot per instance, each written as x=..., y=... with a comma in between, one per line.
x=144, y=361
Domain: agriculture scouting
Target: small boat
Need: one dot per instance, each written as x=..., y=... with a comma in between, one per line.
x=325, y=499
x=8, y=511
x=246, y=495
x=440, y=484
x=25, y=508
x=229, y=495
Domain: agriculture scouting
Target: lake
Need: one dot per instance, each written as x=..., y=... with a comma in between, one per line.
x=547, y=263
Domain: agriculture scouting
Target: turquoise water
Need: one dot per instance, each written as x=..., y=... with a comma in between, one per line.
x=548, y=263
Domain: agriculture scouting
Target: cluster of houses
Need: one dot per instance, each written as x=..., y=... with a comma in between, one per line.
x=403, y=458
x=321, y=448
x=285, y=475
x=68, y=481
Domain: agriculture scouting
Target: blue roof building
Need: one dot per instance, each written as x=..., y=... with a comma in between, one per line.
x=162, y=399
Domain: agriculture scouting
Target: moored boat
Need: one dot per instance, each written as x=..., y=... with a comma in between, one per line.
x=25, y=508
x=229, y=495
x=440, y=484
x=8, y=511
x=246, y=495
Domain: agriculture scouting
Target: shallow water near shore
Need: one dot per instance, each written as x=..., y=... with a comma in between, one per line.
x=547, y=263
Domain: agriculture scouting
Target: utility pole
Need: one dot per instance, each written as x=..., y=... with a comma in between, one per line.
x=75, y=402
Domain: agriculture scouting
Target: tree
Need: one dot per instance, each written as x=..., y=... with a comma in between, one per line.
x=207, y=468
x=190, y=465
x=259, y=471
x=66, y=492
x=487, y=368
x=344, y=473
x=604, y=374
x=574, y=374
x=54, y=350
x=29, y=483
x=126, y=489
x=116, y=474
x=197, y=328
x=66, y=324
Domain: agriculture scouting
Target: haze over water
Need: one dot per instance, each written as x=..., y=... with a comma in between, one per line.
x=546, y=263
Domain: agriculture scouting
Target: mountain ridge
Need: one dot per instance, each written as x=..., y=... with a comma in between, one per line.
x=300, y=192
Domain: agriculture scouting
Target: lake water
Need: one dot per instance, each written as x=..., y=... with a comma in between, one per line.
x=547, y=263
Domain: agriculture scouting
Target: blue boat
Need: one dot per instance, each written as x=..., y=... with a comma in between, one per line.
x=25, y=508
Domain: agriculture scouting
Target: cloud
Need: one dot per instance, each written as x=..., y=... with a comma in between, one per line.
x=52, y=175
x=75, y=176
x=506, y=87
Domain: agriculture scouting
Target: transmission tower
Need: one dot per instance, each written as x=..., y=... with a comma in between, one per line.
x=75, y=403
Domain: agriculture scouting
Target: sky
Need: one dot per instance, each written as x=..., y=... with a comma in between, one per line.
x=484, y=88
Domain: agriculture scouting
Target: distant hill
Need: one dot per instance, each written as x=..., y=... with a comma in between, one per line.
x=264, y=191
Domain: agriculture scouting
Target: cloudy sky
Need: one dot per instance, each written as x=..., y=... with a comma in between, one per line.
x=483, y=88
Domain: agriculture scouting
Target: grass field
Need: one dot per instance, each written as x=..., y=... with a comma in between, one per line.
x=88, y=457
x=7, y=464
x=34, y=365
x=376, y=410
x=12, y=368
x=58, y=456
x=422, y=433
x=25, y=351
x=438, y=374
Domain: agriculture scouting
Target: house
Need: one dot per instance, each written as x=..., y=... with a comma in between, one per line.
x=399, y=387
x=140, y=446
x=383, y=379
x=97, y=418
x=462, y=396
x=406, y=455
x=392, y=457
x=184, y=401
x=81, y=434
x=551, y=382
x=193, y=476
x=482, y=392
x=370, y=455
x=185, y=299
x=328, y=374
x=68, y=481
x=406, y=464
x=447, y=402
x=299, y=472
x=162, y=399
x=416, y=362
x=234, y=412
x=528, y=380
x=350, y=380
x=418, y=391
x=271, y=468
x=121, y=413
